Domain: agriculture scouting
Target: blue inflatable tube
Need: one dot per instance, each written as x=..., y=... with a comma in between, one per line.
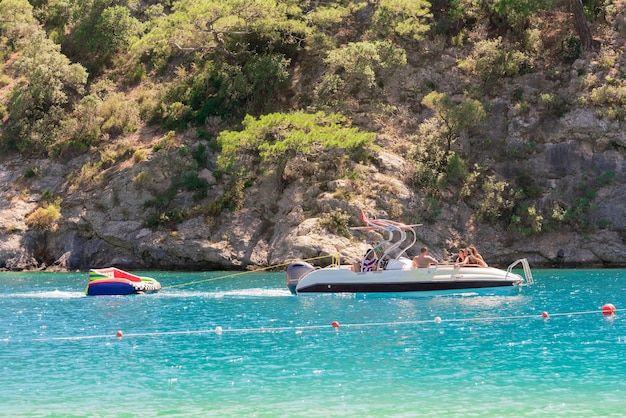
x=107, y=288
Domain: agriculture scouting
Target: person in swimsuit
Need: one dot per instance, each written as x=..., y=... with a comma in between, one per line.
x=462, y=258
x=474, y=257
x=424, y=260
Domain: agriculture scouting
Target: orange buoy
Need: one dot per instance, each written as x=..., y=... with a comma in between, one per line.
x=335, y=324
x=545, y=315
x=119, y=334
x=608, y=309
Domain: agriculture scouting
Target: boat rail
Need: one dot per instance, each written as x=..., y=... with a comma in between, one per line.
x=528, y=275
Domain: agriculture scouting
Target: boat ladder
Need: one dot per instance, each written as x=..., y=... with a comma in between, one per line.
x=527, y=273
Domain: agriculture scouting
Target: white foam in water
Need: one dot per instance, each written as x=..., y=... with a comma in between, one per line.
x=218, y=294
x=54, y=294
x=257, y=292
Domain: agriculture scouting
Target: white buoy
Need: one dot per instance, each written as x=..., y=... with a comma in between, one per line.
x=218, y=330
x=437, y=320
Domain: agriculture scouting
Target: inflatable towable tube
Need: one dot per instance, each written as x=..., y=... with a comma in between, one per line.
x=113, y=281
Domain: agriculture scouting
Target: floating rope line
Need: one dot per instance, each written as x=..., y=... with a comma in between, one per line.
x=333, y=256
x=335, y=325
x=216, y=330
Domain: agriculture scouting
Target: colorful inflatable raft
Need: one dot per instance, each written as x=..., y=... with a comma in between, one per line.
x=113, y=281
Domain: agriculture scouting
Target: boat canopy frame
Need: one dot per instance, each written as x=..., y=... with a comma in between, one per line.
x=386, y=226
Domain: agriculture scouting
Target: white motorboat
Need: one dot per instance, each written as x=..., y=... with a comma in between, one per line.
x=395, y=272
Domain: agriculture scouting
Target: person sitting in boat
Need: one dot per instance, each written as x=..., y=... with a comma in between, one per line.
x=462, y=258
x=474, y=257
x=423, y=260
x=370, y=261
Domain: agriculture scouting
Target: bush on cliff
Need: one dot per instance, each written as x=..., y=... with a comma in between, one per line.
x=272, y=141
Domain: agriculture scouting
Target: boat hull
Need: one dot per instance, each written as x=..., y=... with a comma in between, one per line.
x=341, y=279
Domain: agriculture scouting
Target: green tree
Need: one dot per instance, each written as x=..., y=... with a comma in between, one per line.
x=516, y=9
x=17, y=23
x=492, y=60
x=223, y=27
x=437, y=163
x=54, y=15
x=50, y=79
x=514, y=15
x=105, y=32
x=224, y=90
x=496, y=200
x=405, y=18
x=454, y=117
x=272, y=141
x=49, y=87
x=330, y=14
x=359, y=63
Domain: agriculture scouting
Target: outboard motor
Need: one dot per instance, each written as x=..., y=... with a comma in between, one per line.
x=296, y=271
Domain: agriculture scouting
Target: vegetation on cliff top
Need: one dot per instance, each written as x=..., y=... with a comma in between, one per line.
x=261, y=83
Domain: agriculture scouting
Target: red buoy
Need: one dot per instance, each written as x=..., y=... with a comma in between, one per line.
x=335, y=324
x=545, y=315
x=608, y=309
x=119, y=334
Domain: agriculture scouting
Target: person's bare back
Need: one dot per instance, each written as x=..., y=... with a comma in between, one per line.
x=423, y=260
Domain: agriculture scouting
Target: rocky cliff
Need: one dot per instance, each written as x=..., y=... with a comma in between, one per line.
x=103, y=221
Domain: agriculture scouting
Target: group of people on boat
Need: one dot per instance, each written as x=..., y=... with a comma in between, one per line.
x=470, y=256
x=467, y=257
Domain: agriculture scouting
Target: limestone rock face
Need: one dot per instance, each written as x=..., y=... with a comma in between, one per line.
x=112, y=219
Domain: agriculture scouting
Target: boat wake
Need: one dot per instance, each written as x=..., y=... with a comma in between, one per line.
x=50, y=294
x=218, y=294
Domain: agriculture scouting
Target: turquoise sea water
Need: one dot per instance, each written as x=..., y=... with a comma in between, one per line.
x=490, y=354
